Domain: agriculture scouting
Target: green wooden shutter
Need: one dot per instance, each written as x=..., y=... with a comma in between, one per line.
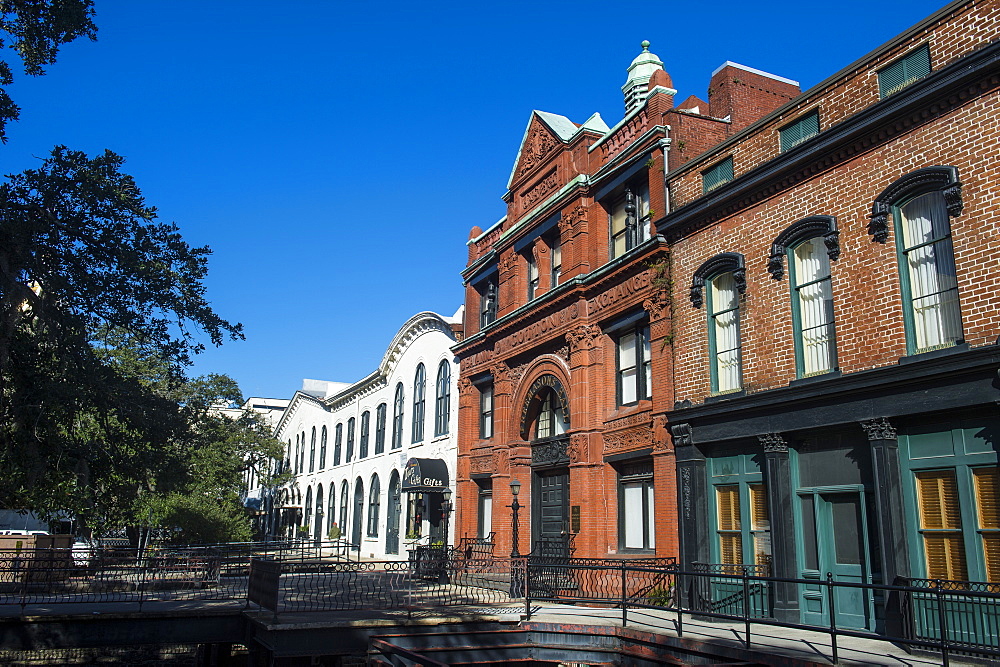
x=797, y=132
x=718, y=174
x=908, y=69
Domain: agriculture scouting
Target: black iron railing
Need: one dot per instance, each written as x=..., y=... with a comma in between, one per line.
x=953, y=617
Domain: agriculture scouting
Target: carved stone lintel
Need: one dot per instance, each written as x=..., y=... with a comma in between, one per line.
x=940, y=178
x=879, y=429
x=582, y=337
x=631, y=438
x=773, y=442
x=682, y=435
x=725, y=262
x=482, y=464
x=550, y=453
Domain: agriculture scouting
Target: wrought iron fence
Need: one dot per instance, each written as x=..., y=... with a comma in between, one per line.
x=948, y=616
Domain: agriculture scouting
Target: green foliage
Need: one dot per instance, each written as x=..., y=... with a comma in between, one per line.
x=35, y=29
x=662, y=596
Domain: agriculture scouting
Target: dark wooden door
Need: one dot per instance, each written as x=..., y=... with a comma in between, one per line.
x=359, y=510
x=392, y=520
x=551, y=513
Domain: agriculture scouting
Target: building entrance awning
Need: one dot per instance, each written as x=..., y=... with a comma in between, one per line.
x=425, y=475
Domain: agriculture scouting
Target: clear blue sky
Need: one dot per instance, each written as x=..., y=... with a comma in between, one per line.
x=335, y=154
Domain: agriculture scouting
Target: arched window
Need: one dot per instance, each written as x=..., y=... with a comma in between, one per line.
x=343, y=508
x=374, y=495
x=331, y=517
x=363, y=442
x=312, y=450
x=921, y=203
x=307, y=517
x=550, y=422
x=288, y=458
x=380, y=428
x=350, y=440
x=442, y=401
x=419, y=389
x=295, y=461
x=338, y=437
x=322, y=448
x=397, y=418
x=725, y=277
x=318, y=530
x=302, y=453
x=810, y=245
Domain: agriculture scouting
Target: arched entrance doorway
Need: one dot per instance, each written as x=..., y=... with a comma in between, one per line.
x=359, y=510
x=318, y=530
x=545, y=421
x=392, y=517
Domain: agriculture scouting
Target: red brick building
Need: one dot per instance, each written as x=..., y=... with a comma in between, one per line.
x=754, y=331
x=566, y=367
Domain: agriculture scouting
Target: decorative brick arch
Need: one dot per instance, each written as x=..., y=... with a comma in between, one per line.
x=546, y=371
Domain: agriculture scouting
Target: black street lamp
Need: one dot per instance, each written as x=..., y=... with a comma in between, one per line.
x=446, y=508
x=515, y=489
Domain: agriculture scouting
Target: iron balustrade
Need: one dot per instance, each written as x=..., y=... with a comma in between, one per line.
x=952, y=617
x=932, y=606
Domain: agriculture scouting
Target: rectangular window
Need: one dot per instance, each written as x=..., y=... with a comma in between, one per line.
x=717, y=174
x=912, y=67
x=760, y=525
x=987, y=485
x=799, y=130
x=729, y=524
x=380, y=428
x=365, y=430
x=930, y=283
x=941, y=524
x=485, y=513
x=486, y=410
x=350, y=441
x=629, y=219
x=634, y=371
x=636, y=508
x=812, y=308
x=488, y=303
x=555, y=248
x=532, y=274
x=724, y=334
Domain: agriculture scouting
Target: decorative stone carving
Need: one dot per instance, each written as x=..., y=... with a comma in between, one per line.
x=482, y=464
x=516, y=373
x=507, y=262
x=582, y=337
x=501, y=378
x=540, y=190
x=722, y=263
x=807, y=228
x=682, y=435
x=577, y=448
x=661, y=440
x=563, y=353
x=465, y=387
x=686, y=503
x=550, y=452
x=569, y=221
x=501, y=460
x=879, y=429
x=773, y=442
x=632, y=438
x=534, y=148
x=657, y=304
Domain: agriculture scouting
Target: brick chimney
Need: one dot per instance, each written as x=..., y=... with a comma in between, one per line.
x=744, y=94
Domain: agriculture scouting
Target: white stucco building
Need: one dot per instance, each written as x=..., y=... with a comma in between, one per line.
x=376, y=458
